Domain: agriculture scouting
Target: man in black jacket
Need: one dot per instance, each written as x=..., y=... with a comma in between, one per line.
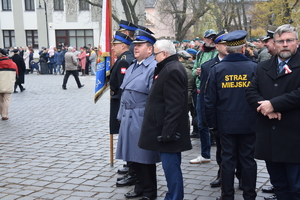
x=165, y=126
x=274, y=93
x=228, y=112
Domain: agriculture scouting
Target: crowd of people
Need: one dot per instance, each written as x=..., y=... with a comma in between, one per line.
x=243, y=96
x=240, y=99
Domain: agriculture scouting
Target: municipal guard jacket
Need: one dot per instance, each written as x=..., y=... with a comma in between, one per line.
x=277, y=141
x=116, y=77
x=225, y=100
x=166, y=111
x=205, y=70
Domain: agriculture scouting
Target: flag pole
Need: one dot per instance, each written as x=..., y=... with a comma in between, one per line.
x=111, y=65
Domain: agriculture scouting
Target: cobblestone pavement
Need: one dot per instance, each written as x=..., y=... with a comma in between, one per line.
x=55, y=145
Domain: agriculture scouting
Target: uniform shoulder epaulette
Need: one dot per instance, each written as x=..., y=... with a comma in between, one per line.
x=214, y=64
x=123, y=57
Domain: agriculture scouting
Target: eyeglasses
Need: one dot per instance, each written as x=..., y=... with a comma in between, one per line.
x=288, y=41
x=155, y=54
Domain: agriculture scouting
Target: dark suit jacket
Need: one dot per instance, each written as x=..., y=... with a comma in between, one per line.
x=166, y=111
x=277, y=141
x=21, y=68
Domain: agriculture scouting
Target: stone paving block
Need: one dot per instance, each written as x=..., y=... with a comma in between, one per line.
x=10, y=197
x=74, y=145
x=73, y=198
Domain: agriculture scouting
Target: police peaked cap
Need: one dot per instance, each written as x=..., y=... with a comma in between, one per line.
x=145, y=29
x=235, y=38
x=219, y=37
x=121, y=38
x=270, y=32
x=143, y=36
x=125, y=25
x=184, y=54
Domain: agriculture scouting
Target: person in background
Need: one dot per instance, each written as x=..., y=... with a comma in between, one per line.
x=262, y=50
x=43, y=62
x=21, y=70
x=26, y=59
x=82, y=60
x=8, y=73
x=51, y=62
x=186, y=60
x=58, y=60
x=71, y=68
x=34, y=65
x=92, y=58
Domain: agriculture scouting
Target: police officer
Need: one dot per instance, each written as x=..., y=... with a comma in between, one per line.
x=129, y=29
x=228, y=112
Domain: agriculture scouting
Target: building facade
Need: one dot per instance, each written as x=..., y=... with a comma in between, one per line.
x=43, y=23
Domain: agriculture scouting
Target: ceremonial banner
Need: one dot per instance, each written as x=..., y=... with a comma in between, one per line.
x=103, y=64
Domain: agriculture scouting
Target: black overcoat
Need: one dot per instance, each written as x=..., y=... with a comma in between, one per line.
x=21, y=68
x=277, y=141
x=117, y=74
x=166, y=111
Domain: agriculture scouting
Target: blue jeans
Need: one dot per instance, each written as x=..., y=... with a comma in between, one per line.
x=171, y=164
x=57, y=69
x=203, y=131
x=93, y=65
x=285, y=177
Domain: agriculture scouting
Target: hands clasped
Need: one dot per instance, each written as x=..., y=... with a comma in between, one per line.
x=267, y=109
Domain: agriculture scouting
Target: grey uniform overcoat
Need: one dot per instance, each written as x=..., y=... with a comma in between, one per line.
x=135, y=89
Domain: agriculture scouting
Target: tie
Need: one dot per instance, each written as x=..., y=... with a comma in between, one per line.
x=280, y=67
x=135, y=67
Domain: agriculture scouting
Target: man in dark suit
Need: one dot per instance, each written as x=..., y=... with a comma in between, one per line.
x=228, y=112
x=274, y=93
x=165, y=126
x=21, y=69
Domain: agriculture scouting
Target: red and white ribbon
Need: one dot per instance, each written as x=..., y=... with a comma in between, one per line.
x=287, y=69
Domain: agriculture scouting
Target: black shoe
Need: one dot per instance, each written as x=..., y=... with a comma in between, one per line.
x=15, y=91
x=123, y=170
x=123, y=177
x=146, y=198
x=131, y=195
x=273, y=197
x=129, y=180
x=216, y=183
x=64, y=88
x=268, y=190
x=23, y=89
x=218, y=198
x=81, y=86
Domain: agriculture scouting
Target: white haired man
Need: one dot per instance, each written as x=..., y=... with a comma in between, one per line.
x=165, y=126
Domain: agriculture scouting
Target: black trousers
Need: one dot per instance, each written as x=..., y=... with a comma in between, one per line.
x=234, y=147
x=238, y=172
x=146, y=183
x=285, y=177
x=66, y=77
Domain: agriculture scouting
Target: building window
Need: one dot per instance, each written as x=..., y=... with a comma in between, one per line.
x=9, y=39
x=83, y=5
x=32, y=39
x=59, y=5
x=6, y=5
x=29, y=5
x=77, y=38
